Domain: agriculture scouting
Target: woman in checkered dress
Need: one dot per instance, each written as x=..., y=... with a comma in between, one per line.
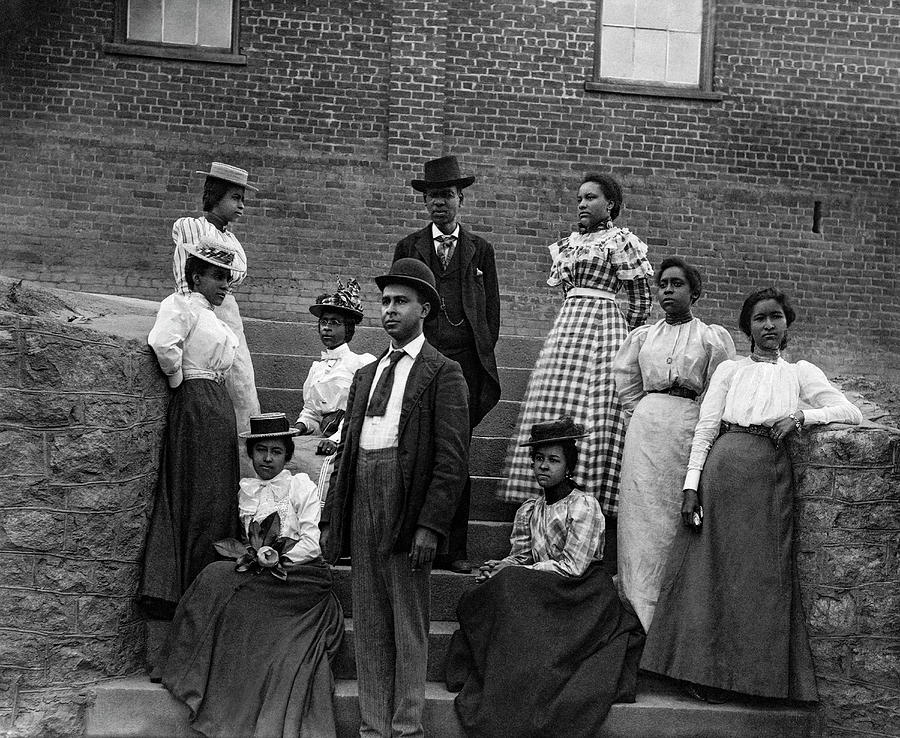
x=573, y=375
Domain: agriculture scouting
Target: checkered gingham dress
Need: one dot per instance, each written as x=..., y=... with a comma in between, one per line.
x=573, y=375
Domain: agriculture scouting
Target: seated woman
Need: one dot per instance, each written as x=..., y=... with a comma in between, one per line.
x=729, y=615
x=250, y=655
x=544, y=646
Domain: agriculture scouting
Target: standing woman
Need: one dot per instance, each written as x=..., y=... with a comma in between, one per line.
x=573, y=375
x=729, y=615
x=223, y=204
x=661, y=372
x=195, y=502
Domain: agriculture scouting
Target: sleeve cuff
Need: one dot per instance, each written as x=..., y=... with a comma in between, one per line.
x=176, y=379
x=692, y=479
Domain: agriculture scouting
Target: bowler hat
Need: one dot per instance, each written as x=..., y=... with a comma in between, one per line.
x=269, y=425
x=555, y=431
x=344, y=302
x=413, y=273
x=442, y=172
x=228, y=173
x=220, y=254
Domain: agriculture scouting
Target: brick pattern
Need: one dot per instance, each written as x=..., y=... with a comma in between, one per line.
x=81, y=419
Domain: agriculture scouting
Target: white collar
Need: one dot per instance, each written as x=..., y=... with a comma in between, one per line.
x=337, y=353
x=200, y=300
x=413, y=348
x=252, y=485
x=437, y=233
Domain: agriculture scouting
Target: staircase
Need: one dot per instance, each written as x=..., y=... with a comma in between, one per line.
x=282, y=354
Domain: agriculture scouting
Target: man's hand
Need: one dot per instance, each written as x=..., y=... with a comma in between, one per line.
x=423, y=548
x=326, y=447
x=324, y=537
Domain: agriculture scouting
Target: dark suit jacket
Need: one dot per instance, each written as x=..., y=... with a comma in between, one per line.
x=480, y=301
x=432, y=446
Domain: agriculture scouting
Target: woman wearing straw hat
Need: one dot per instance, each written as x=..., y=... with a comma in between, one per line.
x=223, y=204
x=199, y=469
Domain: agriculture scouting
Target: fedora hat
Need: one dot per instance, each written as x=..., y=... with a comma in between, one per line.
x=269, y=425
x=220, y=254
x=345, y=302
x=555, y=431
x=442, y=172
x=228, y=173
x=413, y=273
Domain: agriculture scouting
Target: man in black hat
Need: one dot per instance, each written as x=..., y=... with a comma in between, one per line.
x=400, y=469
x=467, y=321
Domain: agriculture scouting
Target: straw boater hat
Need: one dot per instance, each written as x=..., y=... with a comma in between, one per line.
x=228, y=173
x=220, y=254
x=344, y=302
x=269, y=425
x=413, y=273
x=442, y=172
x=555, y=431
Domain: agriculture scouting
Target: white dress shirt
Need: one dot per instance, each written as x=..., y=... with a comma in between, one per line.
x=437, y=233
x=381, y=431
x=187, y=336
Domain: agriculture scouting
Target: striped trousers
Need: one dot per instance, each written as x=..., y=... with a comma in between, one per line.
x=390, y=606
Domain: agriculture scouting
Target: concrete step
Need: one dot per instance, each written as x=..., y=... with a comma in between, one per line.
x=136, y=708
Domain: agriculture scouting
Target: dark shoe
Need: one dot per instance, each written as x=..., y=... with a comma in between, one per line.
x=457, y=566
x=713, y=695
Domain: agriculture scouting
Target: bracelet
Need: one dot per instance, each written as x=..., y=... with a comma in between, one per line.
x=797, y=423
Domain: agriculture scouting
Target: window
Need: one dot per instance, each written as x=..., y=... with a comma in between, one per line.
x=202, y=30
x=654, y=47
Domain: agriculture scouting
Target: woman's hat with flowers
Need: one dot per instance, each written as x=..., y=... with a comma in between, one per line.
x=345, y=301
x=220, y=254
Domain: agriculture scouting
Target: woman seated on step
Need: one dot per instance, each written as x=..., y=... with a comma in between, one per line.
x=250, y=646
x=729, y=616
x=544, y=645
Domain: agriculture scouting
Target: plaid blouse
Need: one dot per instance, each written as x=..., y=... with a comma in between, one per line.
x=564, y=537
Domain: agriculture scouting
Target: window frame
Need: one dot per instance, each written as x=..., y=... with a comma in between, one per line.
x=702, y=91
x=217, y=55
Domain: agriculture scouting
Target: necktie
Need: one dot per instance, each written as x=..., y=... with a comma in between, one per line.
x=379, y=400
x=445, y=249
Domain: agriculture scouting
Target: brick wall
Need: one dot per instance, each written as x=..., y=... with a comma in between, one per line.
x=340, y=103
x=81, y=419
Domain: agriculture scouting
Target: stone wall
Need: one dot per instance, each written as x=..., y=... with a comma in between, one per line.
x=848, y=554
x=81, y=419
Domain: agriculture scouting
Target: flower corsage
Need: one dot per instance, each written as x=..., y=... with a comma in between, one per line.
x=265, y=548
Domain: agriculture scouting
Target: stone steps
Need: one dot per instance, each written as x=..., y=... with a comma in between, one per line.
x=136, y=708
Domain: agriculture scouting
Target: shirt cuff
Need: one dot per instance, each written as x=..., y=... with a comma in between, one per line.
x=176, y=379
x=692, y=479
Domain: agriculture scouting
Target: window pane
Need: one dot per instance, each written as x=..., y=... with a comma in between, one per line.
x=686, y=15
x=652, y=14
x=215, y=23
x=684, y=58
x=180, y=22
x=145, y=20
x=617, y=53
x=650, y=55
x=618, y=12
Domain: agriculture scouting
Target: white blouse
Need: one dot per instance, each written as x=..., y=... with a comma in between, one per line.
x=328, y=384
x=187, y=336
x=658, y=356
x=747, y=392
x=296, y=499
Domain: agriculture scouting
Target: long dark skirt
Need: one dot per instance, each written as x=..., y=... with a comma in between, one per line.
x=196, y=494
x=729, y=613
x=541, y=655
x=250, y=655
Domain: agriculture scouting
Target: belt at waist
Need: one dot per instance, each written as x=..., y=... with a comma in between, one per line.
x=676, y=391
x=590, y=292
x=756, y=430
x=218, y=377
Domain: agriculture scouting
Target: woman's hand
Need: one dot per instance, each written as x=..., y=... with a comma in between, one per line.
x=490, y=568
x=326, y=447
x=690, y=506
x=781, y=429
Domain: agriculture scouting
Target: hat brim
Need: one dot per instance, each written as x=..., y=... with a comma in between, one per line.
x=548, y=441
x=225, y=179
x=189, y=248
x=420, y=284
x=282, y=434
x=319, y=308
x=422, y=185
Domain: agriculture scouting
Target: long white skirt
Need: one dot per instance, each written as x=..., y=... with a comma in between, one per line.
x=240, y=380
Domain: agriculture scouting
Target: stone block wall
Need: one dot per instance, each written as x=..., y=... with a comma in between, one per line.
x=81, y=420
x=847, y=535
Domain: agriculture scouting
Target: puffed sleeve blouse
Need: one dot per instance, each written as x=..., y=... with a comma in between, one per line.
x=328, y=384
x=296, y=500
x=563, y=537
x=659, y=356
x=188, y=335
x=747, y=392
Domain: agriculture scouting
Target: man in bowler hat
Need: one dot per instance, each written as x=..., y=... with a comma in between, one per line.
x=466, y=325
x=400, y=469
